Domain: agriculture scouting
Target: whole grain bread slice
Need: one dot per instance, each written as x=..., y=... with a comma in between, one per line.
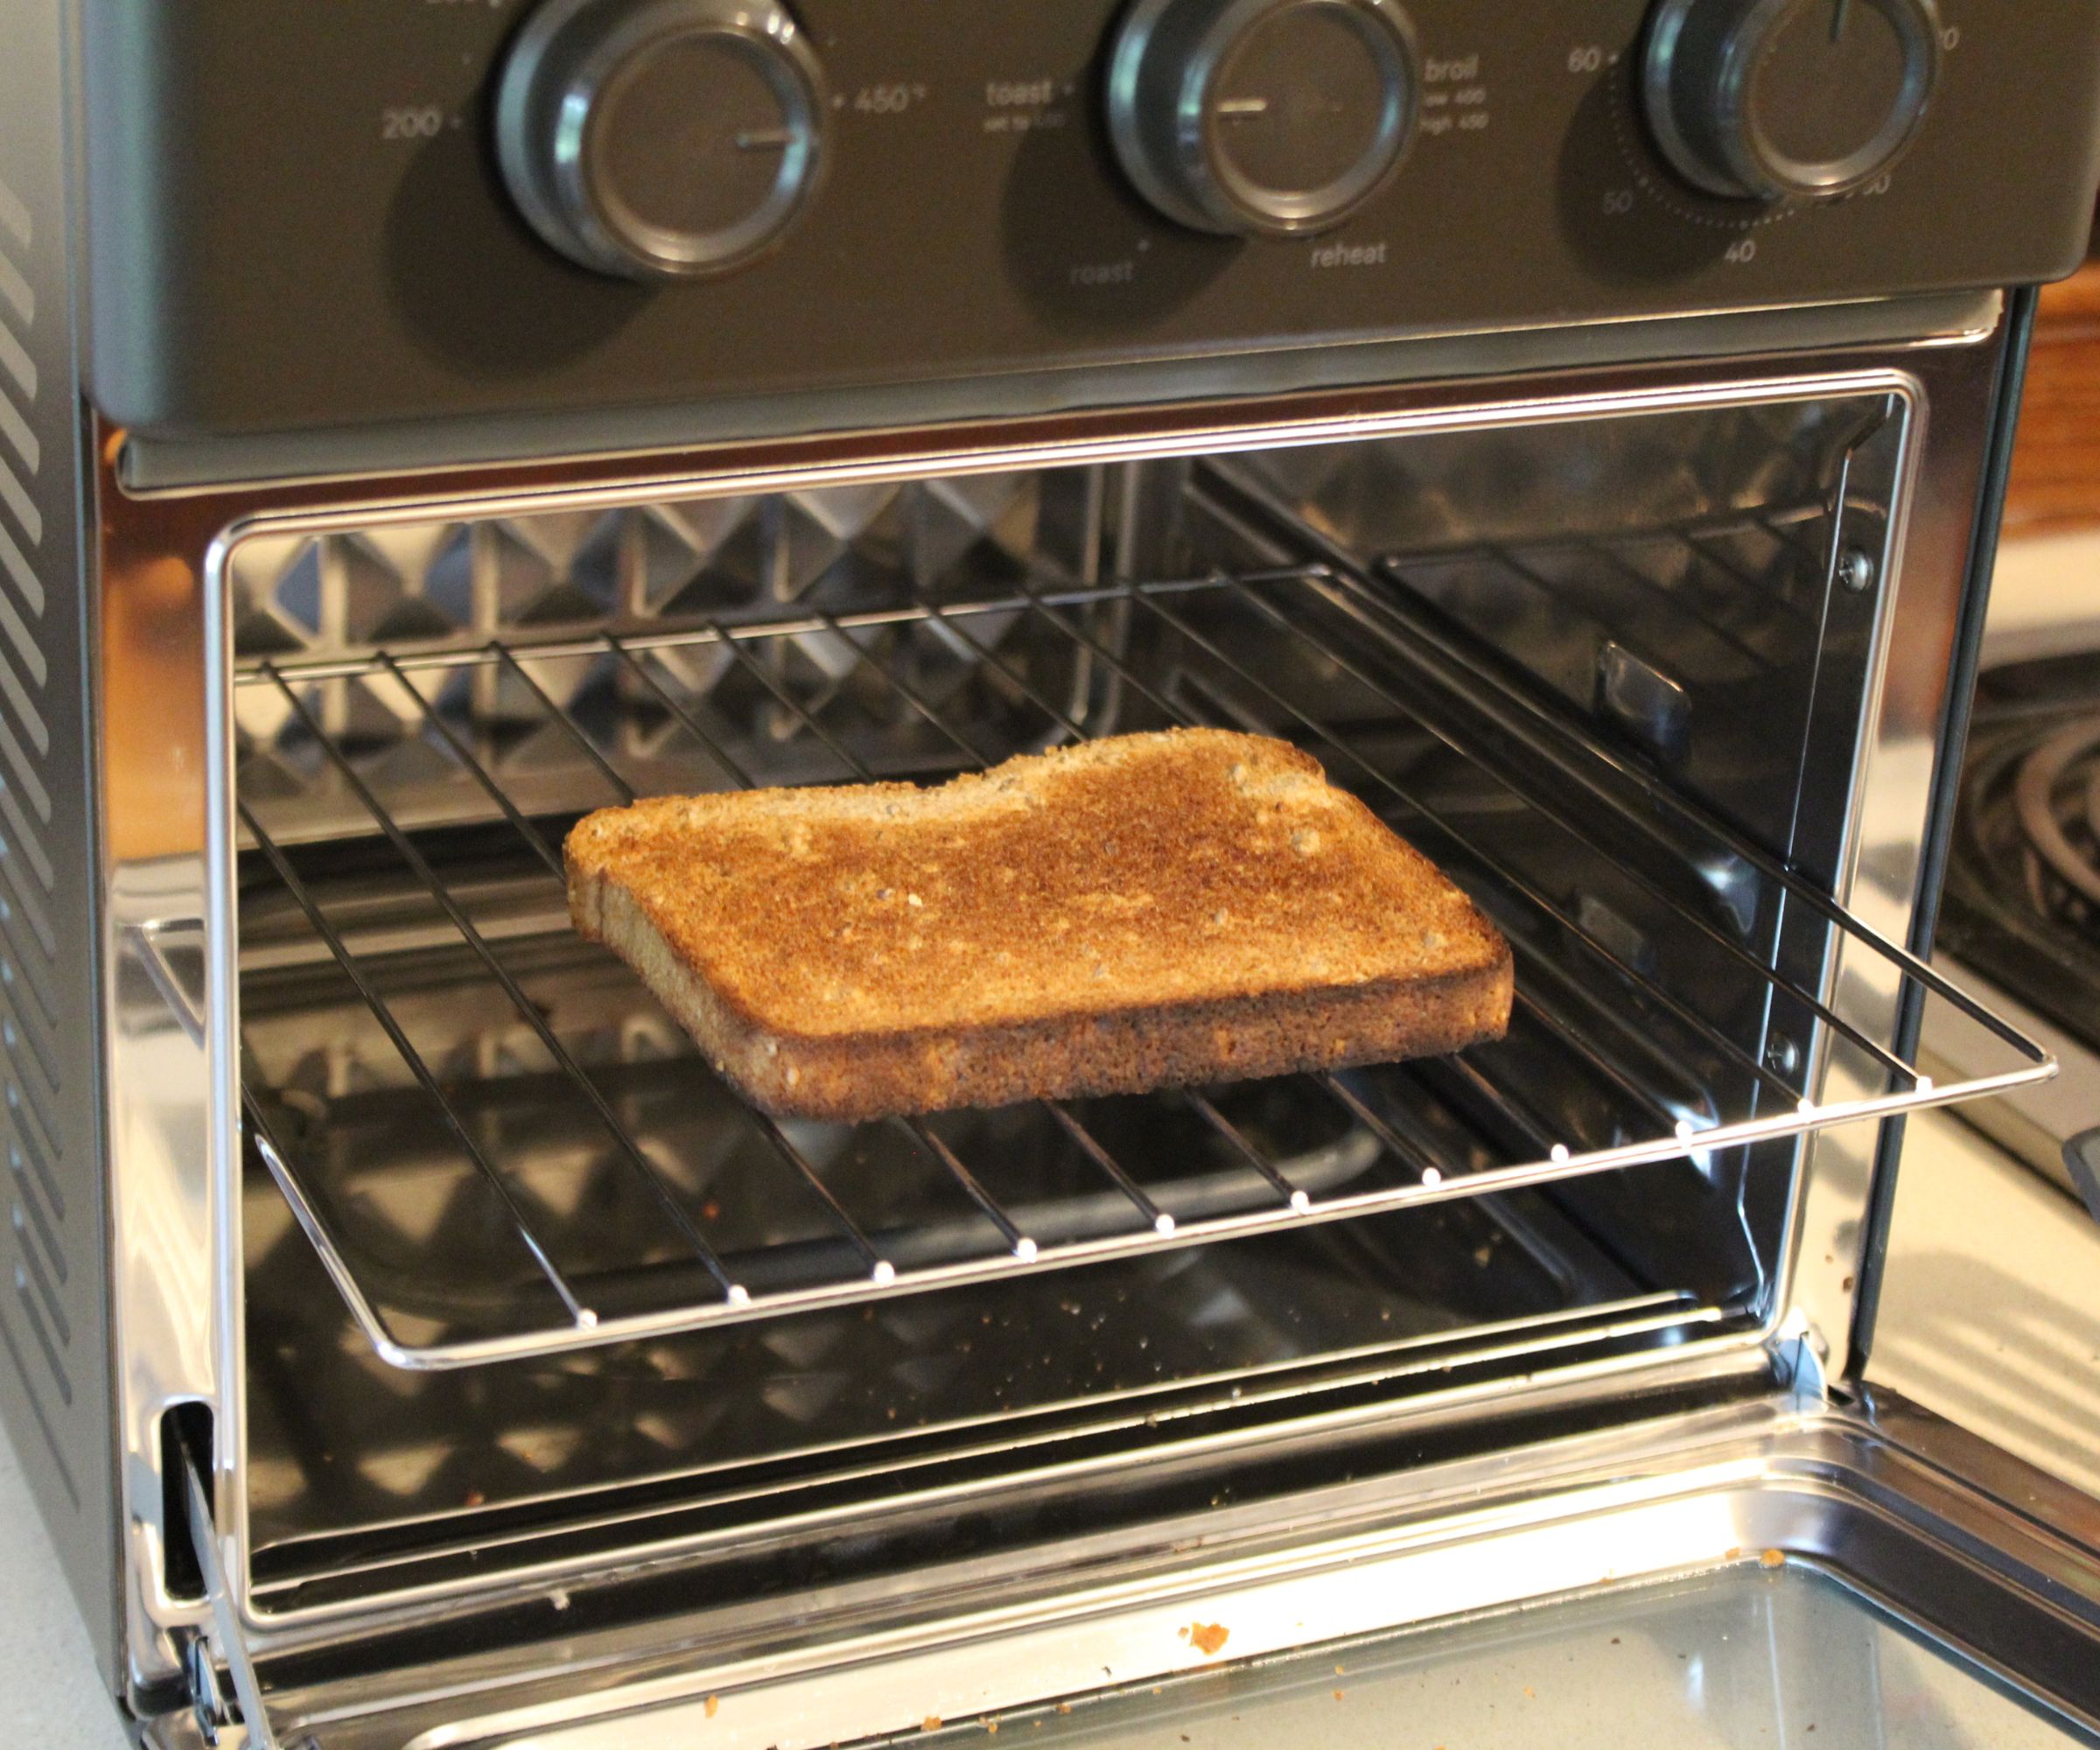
x=1138, y=911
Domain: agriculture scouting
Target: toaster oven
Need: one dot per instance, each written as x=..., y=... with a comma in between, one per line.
x=422, y=424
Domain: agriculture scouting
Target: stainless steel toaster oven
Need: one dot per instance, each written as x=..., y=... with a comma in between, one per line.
x=421, y=424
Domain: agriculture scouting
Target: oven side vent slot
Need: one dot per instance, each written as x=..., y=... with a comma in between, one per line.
x=224, y=1698
x=184, y=1429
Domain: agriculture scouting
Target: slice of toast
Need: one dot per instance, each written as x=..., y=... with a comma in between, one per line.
x=1141, y=912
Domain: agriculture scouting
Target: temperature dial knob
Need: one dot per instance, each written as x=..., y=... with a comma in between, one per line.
x=1772, y=99
x=660, y=139
x=1261, y=116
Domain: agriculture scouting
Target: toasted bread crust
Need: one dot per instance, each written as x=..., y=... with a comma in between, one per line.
x=1140, y=912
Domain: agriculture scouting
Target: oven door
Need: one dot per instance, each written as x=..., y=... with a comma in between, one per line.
x=1745, y=1573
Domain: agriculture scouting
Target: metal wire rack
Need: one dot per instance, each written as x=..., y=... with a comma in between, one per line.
x=1646, y=1004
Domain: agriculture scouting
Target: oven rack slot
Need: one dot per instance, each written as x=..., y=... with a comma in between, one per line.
x=1671, y=1025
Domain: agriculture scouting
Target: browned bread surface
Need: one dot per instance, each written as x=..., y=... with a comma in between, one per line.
x=1139, y=911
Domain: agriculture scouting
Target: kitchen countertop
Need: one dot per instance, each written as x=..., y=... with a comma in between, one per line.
x=51, y=1693
x=1990, y=1309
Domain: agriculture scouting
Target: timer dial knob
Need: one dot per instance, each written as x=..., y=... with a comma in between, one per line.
x=1772, y=99
x=660, y=139
x=1256, y=117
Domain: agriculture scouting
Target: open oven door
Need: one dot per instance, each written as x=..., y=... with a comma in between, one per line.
x=1765, y=1571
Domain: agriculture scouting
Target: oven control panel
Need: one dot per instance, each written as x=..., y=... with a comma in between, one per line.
x=306, y=213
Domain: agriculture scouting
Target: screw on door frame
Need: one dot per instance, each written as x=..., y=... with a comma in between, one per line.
x=1782, y=1055
x=1857, y=570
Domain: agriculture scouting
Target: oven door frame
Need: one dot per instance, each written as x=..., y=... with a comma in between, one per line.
x=166, y=662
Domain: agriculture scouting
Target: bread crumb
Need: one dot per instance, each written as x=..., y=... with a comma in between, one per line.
x=931, y=1723
x=1339, y=1693
x=913, y=900
x=1209, y=1638
x=1732, y=1554
x=1530, y=1694
x=1064, y=1707
x=711, y=1706
x=1773, y=1558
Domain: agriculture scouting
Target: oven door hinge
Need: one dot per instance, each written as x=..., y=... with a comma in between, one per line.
x=225, y=1696
x=1801, y=1359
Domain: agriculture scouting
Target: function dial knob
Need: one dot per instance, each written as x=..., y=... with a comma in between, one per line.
x=1256, y=117
x=1775, y=99
x=660, y=139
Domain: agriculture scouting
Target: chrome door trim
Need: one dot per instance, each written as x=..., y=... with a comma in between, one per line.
x=168, y=1264
x=1924, y=564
